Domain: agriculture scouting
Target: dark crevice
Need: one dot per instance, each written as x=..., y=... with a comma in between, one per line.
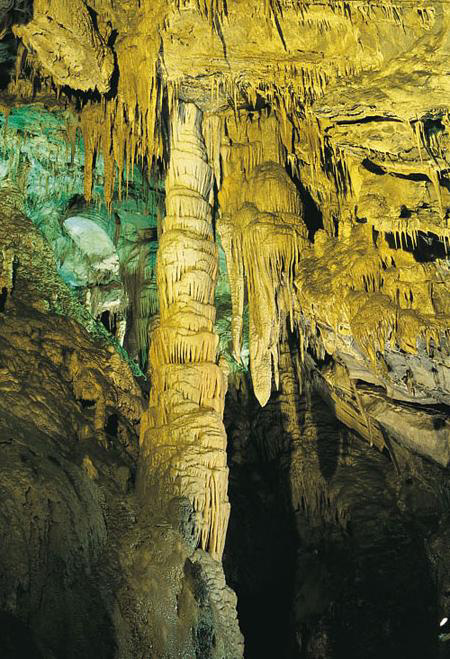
x=259, y=559
x=8, y=59
x=93, y=15
x=16, y=639
x=336, y=227
x=109, y=322
x=3, y=299
x=379, y=171
x=312, y=215
x=428, y=248
x=433, y=127
x=372, y=167
x=405, y=212
x=85, y=403
x=112, y=425
x=367, y=120
x=411, y=177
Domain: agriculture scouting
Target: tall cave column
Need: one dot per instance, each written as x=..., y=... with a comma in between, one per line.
x=183, y=440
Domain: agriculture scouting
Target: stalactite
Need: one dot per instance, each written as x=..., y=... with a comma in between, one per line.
x=263, y=239
x=126, y=127
x=306, y=420
x=262, y=233
x=183, y=438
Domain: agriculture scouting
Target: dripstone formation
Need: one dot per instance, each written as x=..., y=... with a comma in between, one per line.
x=183, y=442
x=224, y=329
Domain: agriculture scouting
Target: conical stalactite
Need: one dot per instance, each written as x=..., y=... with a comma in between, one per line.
x=263, y=240
x=183, y=439
x=262, y=231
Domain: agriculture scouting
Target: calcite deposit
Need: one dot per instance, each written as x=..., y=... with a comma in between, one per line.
x=225, y=232
x=183, y=441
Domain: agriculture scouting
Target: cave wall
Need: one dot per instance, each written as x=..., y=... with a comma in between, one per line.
x=85, y=570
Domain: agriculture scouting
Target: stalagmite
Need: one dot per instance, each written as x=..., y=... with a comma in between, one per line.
x=183, y=440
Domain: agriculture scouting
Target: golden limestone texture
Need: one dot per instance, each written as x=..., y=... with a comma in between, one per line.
x=374, y=289
x=262, y=233
x=326, y=134
x=126, y=127
x=364, y=291
x=183, y=440
x=70, y=48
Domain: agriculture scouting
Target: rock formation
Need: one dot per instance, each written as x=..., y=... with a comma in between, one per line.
x=183, y=440
x=263, y=232
x=225, y=233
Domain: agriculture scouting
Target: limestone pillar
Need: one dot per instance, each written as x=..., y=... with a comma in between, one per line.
x=183, y=440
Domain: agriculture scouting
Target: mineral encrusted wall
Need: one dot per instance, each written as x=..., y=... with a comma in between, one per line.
x=372, y=292
x=84, y=570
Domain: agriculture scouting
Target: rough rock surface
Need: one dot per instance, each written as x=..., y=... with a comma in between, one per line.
x=359, y=538
x=83, y=570
x=70, y=48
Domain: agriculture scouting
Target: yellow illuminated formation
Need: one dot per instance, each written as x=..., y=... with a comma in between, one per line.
x=309, y=139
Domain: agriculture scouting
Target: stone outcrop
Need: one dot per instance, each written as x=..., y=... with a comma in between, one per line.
x=68, y=45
